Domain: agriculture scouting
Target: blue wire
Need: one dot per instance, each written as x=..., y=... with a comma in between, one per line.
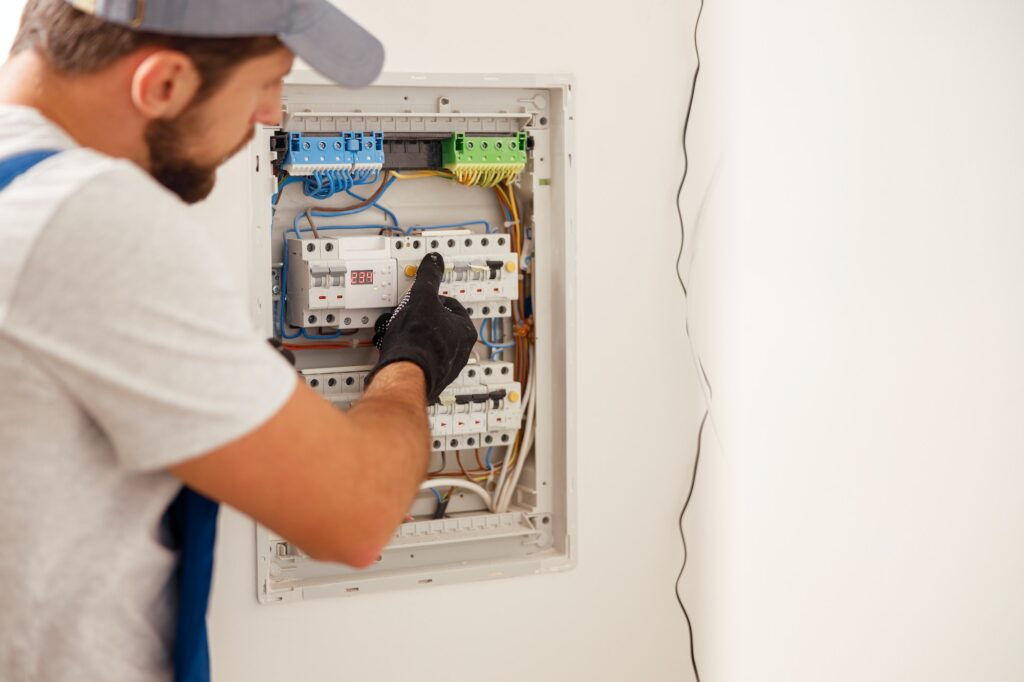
x=314, y=337
x=440, y=500
x=488, y=460
x=487, y=343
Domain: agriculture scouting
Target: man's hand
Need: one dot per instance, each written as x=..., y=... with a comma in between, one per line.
x=434, y=332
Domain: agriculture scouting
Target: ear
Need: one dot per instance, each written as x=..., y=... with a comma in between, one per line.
x=164, y=83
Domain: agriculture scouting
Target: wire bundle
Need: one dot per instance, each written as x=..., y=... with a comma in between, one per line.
x=494, y=480
x=488, y=176
x=325, y=184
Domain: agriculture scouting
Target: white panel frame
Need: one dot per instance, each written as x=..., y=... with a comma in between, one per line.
x=551, y=118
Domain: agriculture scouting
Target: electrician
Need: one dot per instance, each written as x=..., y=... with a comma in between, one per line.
x=128, y=362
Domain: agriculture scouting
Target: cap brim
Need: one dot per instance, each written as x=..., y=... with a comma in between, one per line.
x=338, y=48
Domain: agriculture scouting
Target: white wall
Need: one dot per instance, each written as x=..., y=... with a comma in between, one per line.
x=868, y=216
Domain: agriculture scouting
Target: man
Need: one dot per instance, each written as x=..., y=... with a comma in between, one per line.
x=127, y=362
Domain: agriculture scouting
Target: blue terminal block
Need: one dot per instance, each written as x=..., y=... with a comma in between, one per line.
x=308, y=154
x=368, y=150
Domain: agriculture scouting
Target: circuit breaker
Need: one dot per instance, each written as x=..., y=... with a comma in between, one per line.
x=348, y=282
x=349, y=194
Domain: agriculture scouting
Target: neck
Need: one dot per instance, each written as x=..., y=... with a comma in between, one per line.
x=94, y=109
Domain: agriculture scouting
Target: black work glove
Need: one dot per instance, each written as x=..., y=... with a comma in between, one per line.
x=433, y=331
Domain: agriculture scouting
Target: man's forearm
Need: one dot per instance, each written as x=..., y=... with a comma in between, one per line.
x=391, y=420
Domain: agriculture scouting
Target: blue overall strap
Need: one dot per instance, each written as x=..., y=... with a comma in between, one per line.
x=192, y=521
x=13, y=166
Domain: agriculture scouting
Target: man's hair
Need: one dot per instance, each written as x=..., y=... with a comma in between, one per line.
x=74, y=42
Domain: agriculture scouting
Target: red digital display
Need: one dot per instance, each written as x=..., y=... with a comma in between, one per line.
x=362, y=277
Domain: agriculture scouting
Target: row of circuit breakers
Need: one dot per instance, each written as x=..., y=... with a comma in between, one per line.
x=348, y=282
x=345, y=283
x=481, y=409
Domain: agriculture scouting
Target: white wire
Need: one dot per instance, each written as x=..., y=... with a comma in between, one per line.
x=505, y=495
x=527, y=401
x=457, y=483
x=524, y=452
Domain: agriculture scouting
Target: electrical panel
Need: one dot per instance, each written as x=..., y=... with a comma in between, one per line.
x=349, y=194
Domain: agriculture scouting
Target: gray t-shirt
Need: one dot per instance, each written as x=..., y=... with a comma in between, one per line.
x=125, y=347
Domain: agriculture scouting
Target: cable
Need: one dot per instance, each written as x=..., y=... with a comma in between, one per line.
x=486, y=225
x=483, y=339
x=444, y=465
x=682, y=535
x=686, y=295
x=457, y=483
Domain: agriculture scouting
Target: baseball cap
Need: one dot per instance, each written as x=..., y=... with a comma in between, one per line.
x=315, y=30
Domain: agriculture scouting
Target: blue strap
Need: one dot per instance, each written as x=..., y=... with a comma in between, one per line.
x=13, y=166
x=191, y=520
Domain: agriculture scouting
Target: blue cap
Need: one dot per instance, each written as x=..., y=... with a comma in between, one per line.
x=315, y=30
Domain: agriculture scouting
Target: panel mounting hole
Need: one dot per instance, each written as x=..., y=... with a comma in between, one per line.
x=543, y=120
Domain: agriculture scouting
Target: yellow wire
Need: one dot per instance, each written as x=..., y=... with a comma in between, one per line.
x=415, y=175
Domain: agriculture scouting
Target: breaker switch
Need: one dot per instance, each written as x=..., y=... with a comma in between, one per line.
x=497, y=397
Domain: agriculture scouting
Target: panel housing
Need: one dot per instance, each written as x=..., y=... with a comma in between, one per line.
x=409, y=118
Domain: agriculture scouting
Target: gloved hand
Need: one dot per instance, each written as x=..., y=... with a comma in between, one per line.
x=433, y=331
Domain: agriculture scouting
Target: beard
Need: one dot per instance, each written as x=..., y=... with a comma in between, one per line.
x=171, y=166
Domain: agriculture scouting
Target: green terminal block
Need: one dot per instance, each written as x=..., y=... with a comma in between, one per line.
x=461, y=154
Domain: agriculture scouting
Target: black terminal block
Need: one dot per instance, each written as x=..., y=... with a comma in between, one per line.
x=411, y=154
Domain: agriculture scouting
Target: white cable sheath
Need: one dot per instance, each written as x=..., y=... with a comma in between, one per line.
x=504, y=495
x=527, y=399
x=457, y=483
